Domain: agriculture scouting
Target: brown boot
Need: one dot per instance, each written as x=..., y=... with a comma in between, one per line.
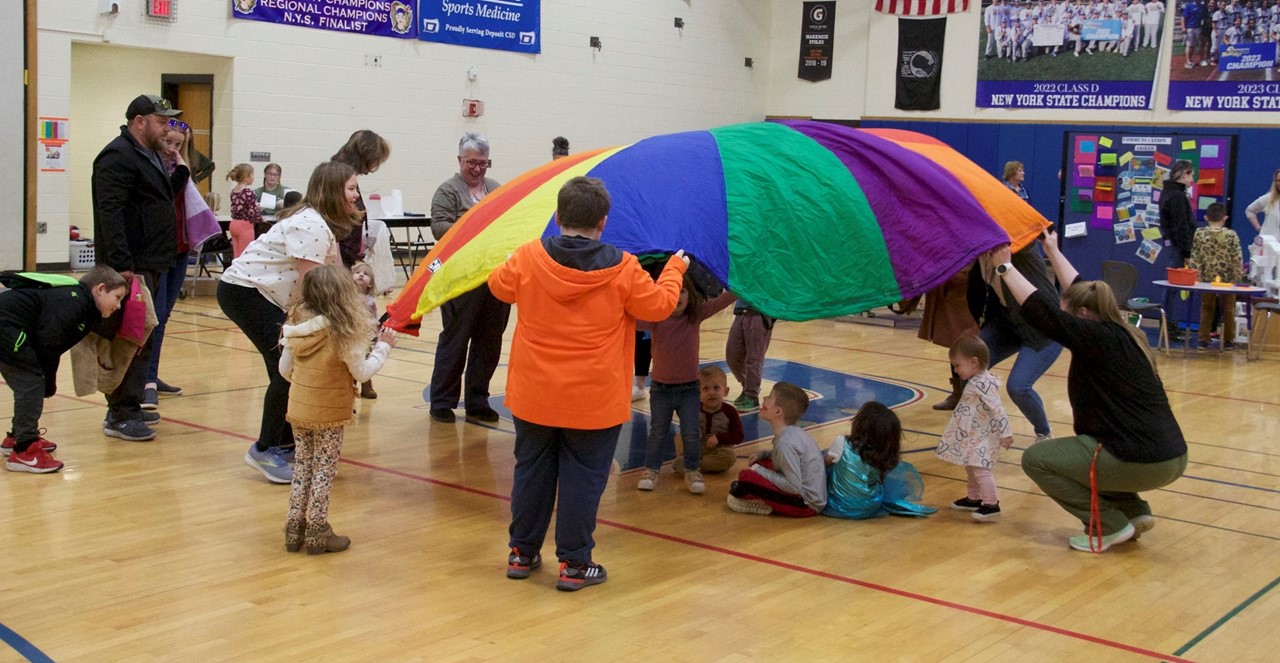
x=321, y=539
x=950, y=402
x=366, y=390
x=293, y=535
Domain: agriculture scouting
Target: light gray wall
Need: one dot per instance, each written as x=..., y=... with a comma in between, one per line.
x=12, y=126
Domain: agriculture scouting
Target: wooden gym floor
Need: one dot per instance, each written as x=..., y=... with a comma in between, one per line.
x=172, y=550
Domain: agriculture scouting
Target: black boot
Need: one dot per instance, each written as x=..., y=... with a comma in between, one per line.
x=957, y=388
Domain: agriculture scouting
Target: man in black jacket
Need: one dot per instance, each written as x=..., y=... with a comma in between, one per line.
x=135, y=232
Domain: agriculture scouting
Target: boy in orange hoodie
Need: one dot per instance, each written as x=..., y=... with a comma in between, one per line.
x=569, y=378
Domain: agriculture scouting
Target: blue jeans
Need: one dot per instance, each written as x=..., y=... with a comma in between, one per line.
x=166, y=296
x=682, y=399
x=1029, y=365
x=576, y=462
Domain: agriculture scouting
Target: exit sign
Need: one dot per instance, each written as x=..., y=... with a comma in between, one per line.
x=160, y=8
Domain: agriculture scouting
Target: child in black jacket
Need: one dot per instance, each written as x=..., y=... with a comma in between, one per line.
x=37, y=325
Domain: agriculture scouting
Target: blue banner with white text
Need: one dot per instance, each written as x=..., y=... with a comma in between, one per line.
x=383, y=18
x=1226, y=59
x=504, y=25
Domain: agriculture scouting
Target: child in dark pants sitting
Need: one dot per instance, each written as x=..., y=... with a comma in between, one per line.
x=790, y=480
x=37, y=325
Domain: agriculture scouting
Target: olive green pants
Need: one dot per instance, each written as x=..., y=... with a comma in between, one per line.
x=1061, y=468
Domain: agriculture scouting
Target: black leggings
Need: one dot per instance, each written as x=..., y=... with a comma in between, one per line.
x=260, y=320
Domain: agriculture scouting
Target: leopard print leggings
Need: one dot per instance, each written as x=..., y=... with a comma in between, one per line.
x=313, y=470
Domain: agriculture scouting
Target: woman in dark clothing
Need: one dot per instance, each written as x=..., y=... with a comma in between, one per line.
x=364, y=152
x=1177, y=219
x=1127, y=439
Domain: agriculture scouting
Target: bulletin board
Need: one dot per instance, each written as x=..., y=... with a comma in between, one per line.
x=1112, y=183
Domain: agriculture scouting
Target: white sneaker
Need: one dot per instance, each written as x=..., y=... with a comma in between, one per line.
x=693, y=481
x=1141, y=525
x=1082, y=543
x=749, y=506
x=638, y=393
x=1042, y=437
x=648, y=481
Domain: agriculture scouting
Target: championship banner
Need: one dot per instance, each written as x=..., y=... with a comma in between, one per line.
x=502, y=25
x=1059, y=54
x=383, y=18
x=818, y=25
x=1224, y=59
x=920, y=63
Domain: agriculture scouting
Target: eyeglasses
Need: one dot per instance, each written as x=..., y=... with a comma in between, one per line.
x=179, y=125
x=472, y=164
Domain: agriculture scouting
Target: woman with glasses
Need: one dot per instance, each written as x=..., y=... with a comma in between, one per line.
x=271, y=185
x=474, y=321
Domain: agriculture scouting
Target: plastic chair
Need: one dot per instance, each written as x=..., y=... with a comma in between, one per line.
x=1259, y=331
x=1122, y=277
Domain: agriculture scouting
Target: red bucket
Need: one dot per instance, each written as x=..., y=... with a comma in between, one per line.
x=1182, y=276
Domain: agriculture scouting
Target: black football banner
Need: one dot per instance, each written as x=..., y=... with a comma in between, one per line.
x=818, y=30
x=919, y=63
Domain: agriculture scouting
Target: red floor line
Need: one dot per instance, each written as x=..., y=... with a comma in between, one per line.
x=741, y=555
x=802, y=569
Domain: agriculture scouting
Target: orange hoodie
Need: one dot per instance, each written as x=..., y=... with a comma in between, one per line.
x=571, y=357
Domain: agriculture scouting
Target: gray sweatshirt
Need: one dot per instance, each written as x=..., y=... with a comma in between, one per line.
x=799, y=467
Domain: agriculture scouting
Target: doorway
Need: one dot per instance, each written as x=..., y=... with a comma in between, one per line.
x=193, y=93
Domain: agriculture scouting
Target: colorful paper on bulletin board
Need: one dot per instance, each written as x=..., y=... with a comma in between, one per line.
x=1082, y=177
x=1205, y=202
x=1104, y=191
x=1081, y=205
x=1149, y=251
x=1123, y=213
x=1188, y=145
x=1210, y=183
x=1107, y=159
x=1104, y=141
x=1211, y=154
x=1102, y=216
x=1124, y=233
x=1126, y=158
x=1106, y=171
x=1192, y=156
x=1162, y=158
x=1085, y=148
x=1152, y=234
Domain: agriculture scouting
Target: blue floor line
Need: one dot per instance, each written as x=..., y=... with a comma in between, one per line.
x=20, y=645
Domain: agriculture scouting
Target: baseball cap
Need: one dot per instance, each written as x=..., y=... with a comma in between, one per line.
x=147, y=104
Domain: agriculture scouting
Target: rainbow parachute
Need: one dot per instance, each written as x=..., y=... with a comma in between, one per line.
x=802, y=219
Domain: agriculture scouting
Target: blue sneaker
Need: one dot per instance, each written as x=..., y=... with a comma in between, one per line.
x=133, y=430
x=149, y=399
x=270, y=463
x=150, y=417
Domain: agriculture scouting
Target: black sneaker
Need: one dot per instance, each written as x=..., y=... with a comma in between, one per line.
x=167, y=389
x=966, y=504
x=987, y=512
x=443, y=415
x=484, y=415
x=520, y=565
x=574, y=577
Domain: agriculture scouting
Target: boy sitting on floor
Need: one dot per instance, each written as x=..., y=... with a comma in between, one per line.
x=791, y=479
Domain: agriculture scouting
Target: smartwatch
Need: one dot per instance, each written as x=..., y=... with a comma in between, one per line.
x=1003, y=268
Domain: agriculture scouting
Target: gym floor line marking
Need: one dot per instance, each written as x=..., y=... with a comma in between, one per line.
x=803, y=569
x=24, y=648
x=747, y=556
x=1231, y=614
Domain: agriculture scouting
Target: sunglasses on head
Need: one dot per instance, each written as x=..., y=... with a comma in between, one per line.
x=178, y=124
